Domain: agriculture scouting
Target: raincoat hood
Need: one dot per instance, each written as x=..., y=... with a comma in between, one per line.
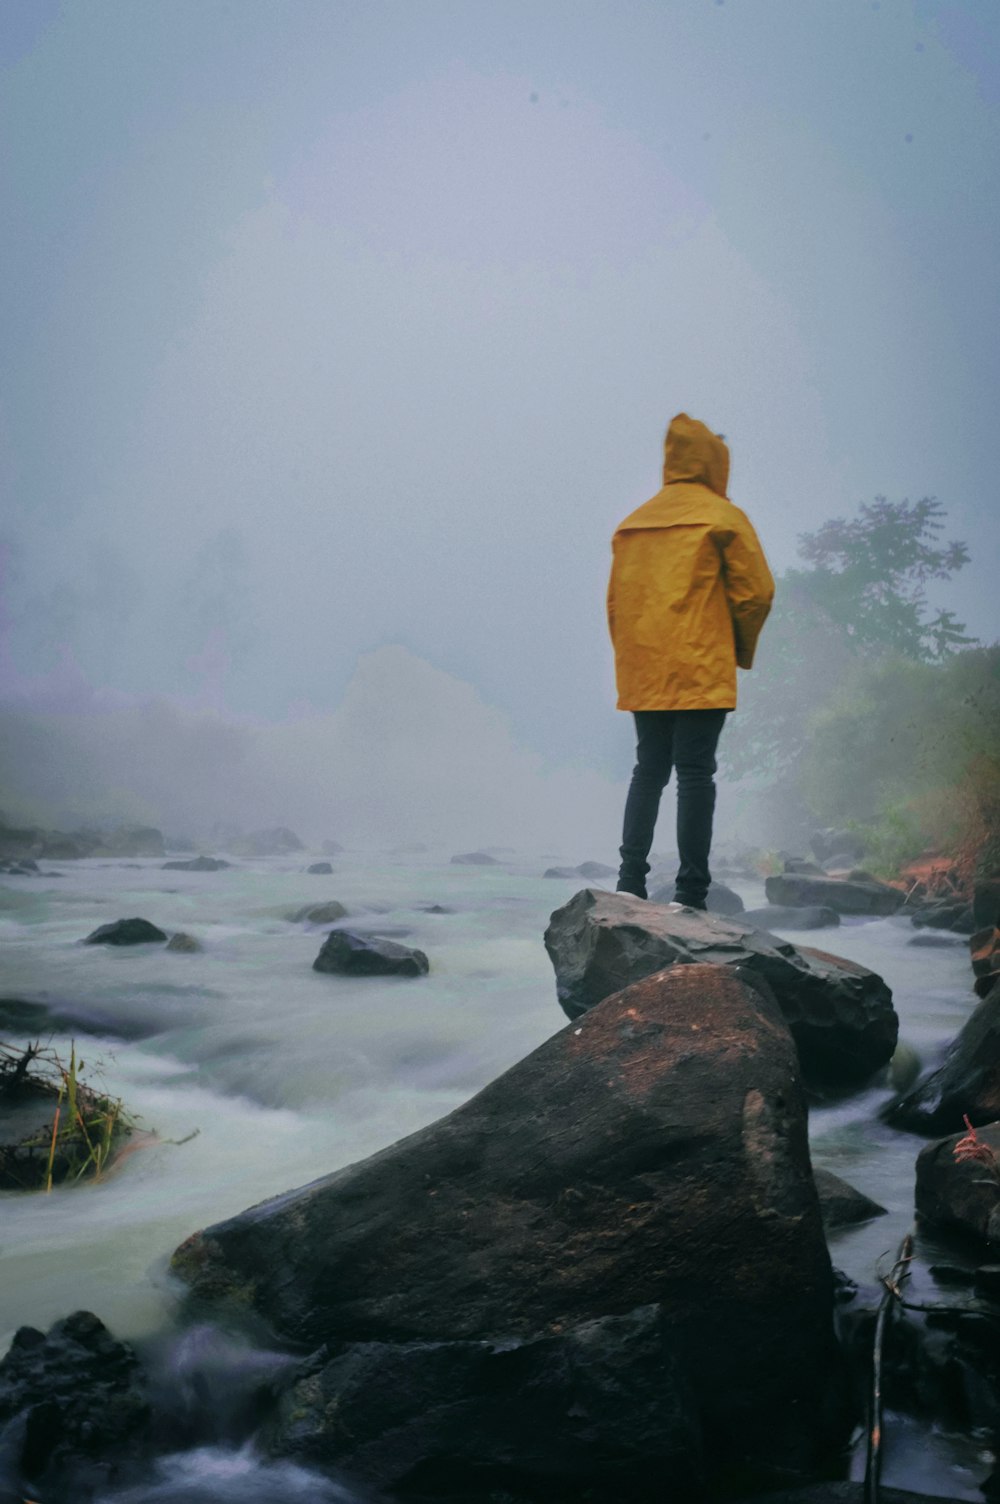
x=692, y=452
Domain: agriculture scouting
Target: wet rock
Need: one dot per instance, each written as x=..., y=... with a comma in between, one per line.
x=26, y=867
x=779, y=917
x=942, y=914
x=865, y=896
x=825, y=844
x=966, y=1083
x=601, y=1409
x=933, y=940
x=187, y=944
x=434, y=908
x=596, y=870
x=721, y=900
x=567, y=874
x=799, y=864
x=656, y=1148
x=840, y=1014
x=320, y=869
x=986, y=903
x=904, y=1067
x=352, y=955
x=126, y=932
x=475, y=859
x=841, y=1204
x=80, y=1396
x=30, y=1017
x=320, y=913
x=198, y=864
x=984, y=948
x=963, y=1196
x=278, y=841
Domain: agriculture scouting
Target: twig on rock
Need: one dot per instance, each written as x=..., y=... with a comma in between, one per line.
x=892, y=1283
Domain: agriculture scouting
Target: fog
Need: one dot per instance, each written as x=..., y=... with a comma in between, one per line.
x=338, y=337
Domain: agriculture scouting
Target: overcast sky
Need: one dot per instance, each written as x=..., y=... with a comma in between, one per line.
x=332, y=324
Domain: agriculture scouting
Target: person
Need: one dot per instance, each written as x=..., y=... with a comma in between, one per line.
x=689, y=592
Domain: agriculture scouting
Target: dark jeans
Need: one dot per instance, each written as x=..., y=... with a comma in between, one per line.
x=685, y=740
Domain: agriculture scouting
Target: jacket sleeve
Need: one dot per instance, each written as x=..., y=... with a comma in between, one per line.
x=611, y=599
x=749, y=586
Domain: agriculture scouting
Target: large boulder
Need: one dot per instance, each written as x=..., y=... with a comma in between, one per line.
x=653, y=1153
x=126, y=932
x=776, y=917
x=841, y=1015
x=858, y=896
x=962, y=1194
x=966, y=1084
x=348, y=954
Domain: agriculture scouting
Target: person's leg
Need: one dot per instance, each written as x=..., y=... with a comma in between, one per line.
x=696, y=736
x=654, y=732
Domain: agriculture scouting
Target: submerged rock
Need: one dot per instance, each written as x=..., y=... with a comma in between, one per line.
x=962, y=1195
x=778, y=917
x=967, y=1083
x=184, y=943
x=320, y=869
x=841, y=1015
x=198, y=864
x=841, y=1204
x=861, y=895
x=655, y=1153
x=81, y=1396
x=320, y=913
x=352, y=955
x=126, y=932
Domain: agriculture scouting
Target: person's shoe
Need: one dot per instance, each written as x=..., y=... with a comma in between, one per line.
x=632, y=885
x=689, y=903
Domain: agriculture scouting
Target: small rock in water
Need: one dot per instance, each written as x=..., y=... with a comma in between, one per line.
x=904, y=1067
x=567, y=874
x=352, y=955
x=596, y=870
x=935, y=940
x=320, y=869
x=967, y=1083
x=781, y=917
x=861, y=895
x=126, y=932
x=961, y=1194
x=842, y=1204
x=475, y=859
x=198, y=864
x=320, y=913
x=182, y=942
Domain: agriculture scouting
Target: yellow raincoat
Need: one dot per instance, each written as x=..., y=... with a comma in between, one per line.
x=690, y=588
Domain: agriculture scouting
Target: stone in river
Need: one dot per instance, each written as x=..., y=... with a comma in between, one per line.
x=963, y=1196
x=475, y=859
x=353, y=955
x=596, y=870
x=81, y=1395
x=841, y=1015
x=567, y=874
x=320, y=869
x=862, y=896
x=184, y=943
x=198, y=864
x=654, y=1154
x=777, y=917
x=967, y=1083
x=842, y=1204
x=126, y=932
x=320, y=913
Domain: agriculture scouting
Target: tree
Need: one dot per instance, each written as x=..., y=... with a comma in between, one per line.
x=864, y=597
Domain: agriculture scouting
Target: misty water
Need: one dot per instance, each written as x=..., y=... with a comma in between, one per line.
x=283, y=1074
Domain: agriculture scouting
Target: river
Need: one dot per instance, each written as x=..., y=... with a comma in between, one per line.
x=282, y=1074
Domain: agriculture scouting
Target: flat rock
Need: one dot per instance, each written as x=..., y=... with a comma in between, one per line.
x=198, y=864
x=967, y=1083
x=653, y=1153
x=847, y=896
x=781, y=917
x=352, y=955
x=962, y=1196
x=126, y=932
x=475, y=859
x=841, y=1204
x=840, y=1014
